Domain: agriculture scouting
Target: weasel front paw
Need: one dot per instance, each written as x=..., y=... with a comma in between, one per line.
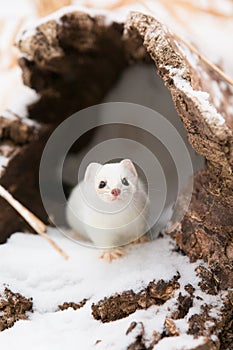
x=112, y=254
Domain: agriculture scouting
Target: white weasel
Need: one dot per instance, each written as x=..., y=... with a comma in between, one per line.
x=110, y=206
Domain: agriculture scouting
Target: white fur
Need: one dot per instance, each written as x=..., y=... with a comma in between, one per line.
x=106, y=220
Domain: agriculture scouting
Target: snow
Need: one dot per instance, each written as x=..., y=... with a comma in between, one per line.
x=3, y=163
x=14, y=95
x=30, y=266
x=29, y=28
x=213, y=119
x=9, y=28
x=181, y=342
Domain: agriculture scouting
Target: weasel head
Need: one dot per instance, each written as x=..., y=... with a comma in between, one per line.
x=113, y=182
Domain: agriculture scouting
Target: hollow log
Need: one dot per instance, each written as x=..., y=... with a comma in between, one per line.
x=72, y=63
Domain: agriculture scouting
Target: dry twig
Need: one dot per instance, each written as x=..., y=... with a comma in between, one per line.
x=31, y=219
x=205, y=59
x=194, y=7
x=170, y=5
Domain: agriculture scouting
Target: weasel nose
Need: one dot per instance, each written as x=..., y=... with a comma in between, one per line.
x=115, y=192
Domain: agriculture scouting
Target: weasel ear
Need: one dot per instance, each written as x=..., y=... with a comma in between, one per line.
x=128, y=164
x=91, y=171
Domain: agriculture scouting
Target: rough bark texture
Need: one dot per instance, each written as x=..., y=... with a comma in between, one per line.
x=21, y=142
x=72, y=63
x=76, y=59
x=207, y=229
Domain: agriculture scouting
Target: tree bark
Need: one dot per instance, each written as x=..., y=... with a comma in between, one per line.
x=207, y=228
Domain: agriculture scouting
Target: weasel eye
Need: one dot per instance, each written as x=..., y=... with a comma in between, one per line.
x=125, y=181
x=102, y=184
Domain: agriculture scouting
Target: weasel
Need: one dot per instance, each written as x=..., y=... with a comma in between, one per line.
x=109, y=207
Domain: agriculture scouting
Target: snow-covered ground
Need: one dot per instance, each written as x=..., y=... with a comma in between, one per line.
x=30, y=266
